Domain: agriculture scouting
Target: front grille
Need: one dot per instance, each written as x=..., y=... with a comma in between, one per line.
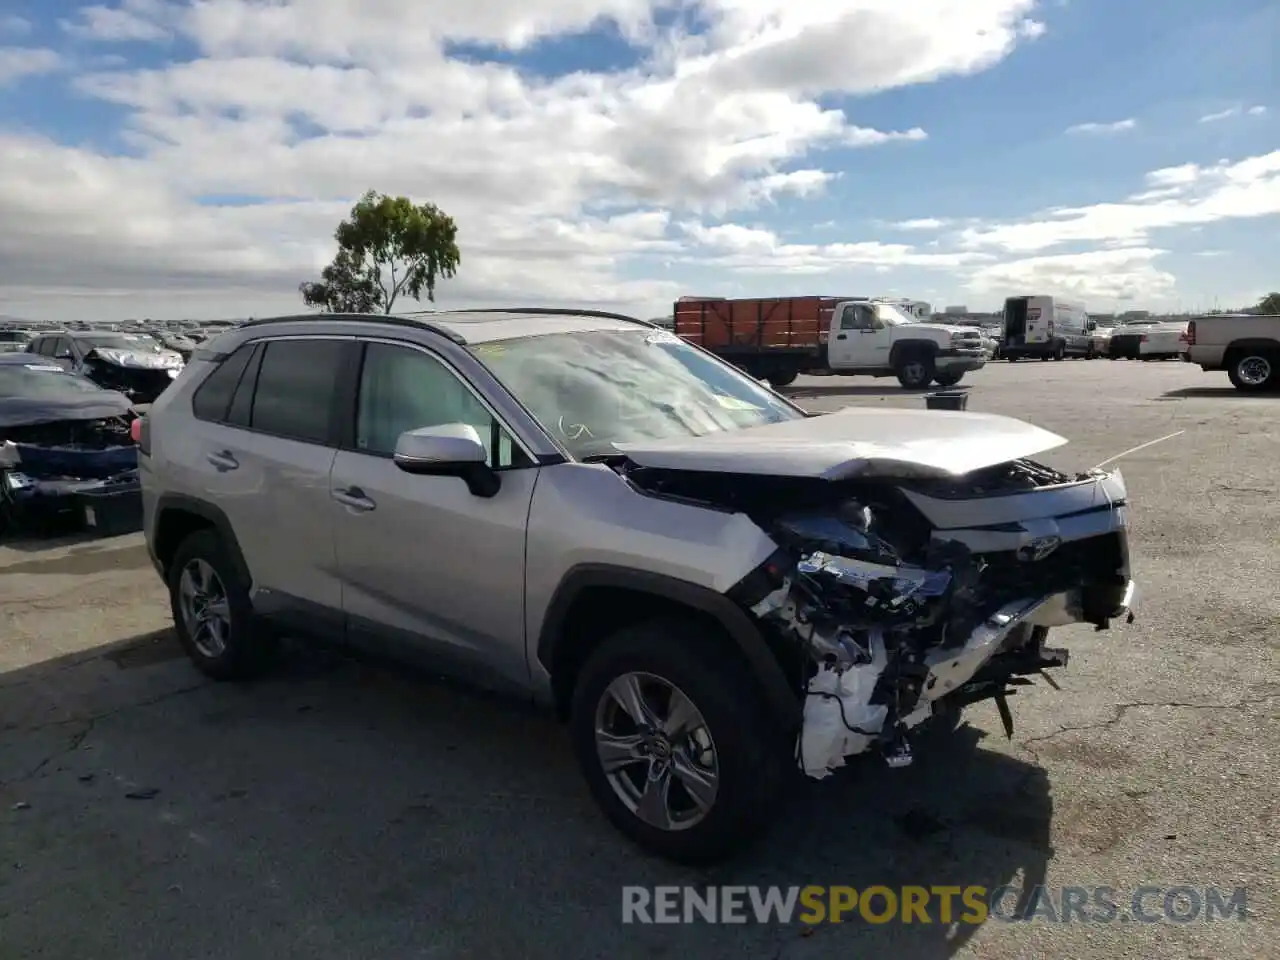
x=1096, y=560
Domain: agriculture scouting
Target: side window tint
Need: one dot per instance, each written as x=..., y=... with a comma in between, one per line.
x=295, y=388
x=213, y=397
x=404, y=389
x=849, y=319
x=241, y=410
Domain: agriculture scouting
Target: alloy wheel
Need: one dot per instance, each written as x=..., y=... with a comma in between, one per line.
x=656, y=751
x=206, y=614
x=1254, y=371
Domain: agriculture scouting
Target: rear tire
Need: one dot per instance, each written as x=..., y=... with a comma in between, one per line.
x=1253, y=371
x=205, y=586
x=948, y=379
x=782, y=378
x=1060, y=352
x=746, y=759
x=915, y=371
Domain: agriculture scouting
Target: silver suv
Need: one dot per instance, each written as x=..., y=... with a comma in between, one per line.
x=712, y=587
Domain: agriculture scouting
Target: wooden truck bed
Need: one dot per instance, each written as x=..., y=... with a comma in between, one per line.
x=744, y=327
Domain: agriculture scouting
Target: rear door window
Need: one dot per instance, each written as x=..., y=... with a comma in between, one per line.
x=294, y=395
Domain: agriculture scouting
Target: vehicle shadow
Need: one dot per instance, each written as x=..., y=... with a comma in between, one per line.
x=1221, y=393
x=339, y=808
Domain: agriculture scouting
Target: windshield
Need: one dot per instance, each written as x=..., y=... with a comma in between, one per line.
x=121, y=341
x=41, y=381
x=892, y=315
x=592, y=390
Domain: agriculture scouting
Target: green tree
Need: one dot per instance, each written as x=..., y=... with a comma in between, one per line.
x=387, y=247
x=1270, y=304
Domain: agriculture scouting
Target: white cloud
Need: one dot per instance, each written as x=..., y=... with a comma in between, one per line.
x=1119, y=126
x=1231, y=112
x=561, y=186
x=14, y=26
x=924, y=223
x=1126, y=274
x=1184, y=196
x=17, y=63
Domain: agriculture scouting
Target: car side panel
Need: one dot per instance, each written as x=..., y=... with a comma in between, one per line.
x=587, y=514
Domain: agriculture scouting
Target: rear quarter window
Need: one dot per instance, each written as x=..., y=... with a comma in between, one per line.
x=212, y=398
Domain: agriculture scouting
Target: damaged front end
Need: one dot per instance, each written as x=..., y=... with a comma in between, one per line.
x=899, y=601
x=66, y=453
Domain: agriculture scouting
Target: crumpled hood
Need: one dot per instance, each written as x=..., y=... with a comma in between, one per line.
x=139, y=359
x=854, y=442
x=30, y=411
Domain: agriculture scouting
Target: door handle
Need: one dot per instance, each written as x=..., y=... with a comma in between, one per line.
x=223, y=461
x=354, y=498
x=841, y=336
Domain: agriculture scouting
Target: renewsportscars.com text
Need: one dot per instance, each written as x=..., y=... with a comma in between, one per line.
x=932, y=904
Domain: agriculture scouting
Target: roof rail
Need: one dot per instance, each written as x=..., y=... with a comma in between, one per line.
x=558, y=311
x=401, y=320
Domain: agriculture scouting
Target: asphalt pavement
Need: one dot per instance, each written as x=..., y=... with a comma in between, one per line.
x=347, y=811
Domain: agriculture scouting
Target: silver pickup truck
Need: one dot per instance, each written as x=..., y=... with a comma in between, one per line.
x=1245, y=345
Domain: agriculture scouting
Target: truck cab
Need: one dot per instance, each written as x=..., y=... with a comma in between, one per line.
x=880, y=339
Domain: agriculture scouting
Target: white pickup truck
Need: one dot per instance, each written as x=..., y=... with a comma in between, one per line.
x=1245, y=345
x=779, y=339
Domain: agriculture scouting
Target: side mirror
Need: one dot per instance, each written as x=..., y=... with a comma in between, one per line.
x=449, y=450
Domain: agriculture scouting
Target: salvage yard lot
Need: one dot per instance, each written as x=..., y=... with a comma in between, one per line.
x=340, y=810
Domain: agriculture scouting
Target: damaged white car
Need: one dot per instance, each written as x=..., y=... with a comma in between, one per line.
x=712, y=587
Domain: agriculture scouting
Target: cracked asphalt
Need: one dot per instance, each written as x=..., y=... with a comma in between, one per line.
x=344, y=810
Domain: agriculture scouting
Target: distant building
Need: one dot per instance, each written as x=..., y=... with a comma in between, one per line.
x=956, y=311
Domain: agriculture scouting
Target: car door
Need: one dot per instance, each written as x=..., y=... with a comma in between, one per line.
x=263, y=448
x=61, y=353
x=430, y=570
x=861, y=340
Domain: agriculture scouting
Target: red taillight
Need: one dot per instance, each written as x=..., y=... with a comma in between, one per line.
x=1143, y=338
x=1189, y=335
x=140, y=435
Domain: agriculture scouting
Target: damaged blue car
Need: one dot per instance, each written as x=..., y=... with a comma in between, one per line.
x=66, y=451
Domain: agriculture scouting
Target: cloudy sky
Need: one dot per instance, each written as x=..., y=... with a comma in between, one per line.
x=191, y=159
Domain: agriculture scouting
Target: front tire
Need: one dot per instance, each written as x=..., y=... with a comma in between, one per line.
x=1252, y=371
x=948, y=379
x=212, y=614
x=675, y=741
x=915, y=372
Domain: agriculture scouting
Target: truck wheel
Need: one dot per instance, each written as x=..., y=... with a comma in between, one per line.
x=675, y=741
x=1060, y=351
x=783, y=377
x=948, y=379
x=1252, y=371
x=915, y=371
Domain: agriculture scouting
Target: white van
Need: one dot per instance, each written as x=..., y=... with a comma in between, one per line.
x=1046, y=327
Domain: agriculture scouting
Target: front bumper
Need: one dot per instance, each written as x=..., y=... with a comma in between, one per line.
x=960, y=360
x=949, y=670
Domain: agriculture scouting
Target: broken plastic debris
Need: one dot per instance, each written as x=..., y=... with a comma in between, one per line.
x=839, y=719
